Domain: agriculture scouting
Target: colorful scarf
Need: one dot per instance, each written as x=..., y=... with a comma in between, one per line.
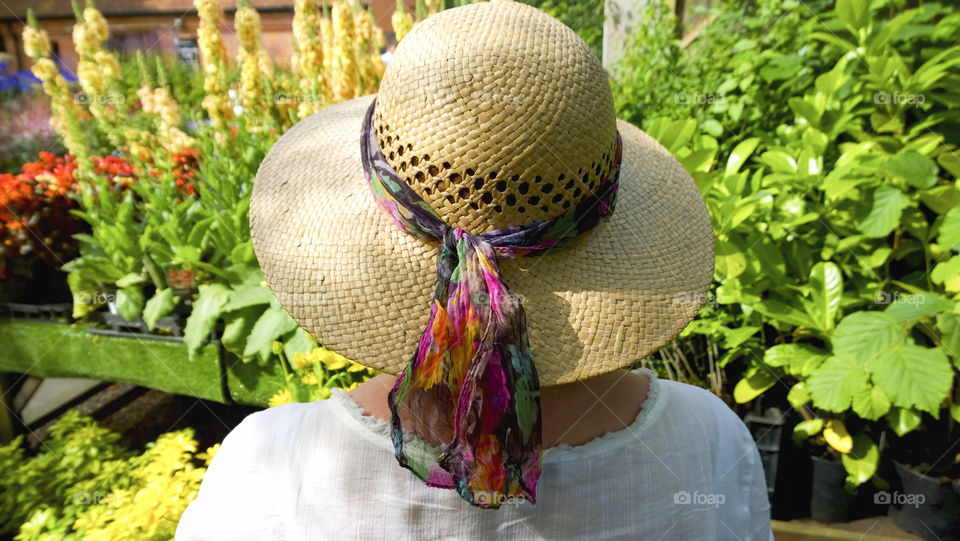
x=474, y=355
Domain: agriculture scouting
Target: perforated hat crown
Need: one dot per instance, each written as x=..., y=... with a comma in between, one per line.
x=497, y=115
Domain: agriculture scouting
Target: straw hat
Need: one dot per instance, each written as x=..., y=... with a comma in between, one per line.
x=497, y=115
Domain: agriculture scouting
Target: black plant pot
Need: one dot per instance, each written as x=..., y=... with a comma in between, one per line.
x=829, y=500
x=925, y=506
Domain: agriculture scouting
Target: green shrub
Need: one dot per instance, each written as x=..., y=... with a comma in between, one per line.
x=84, y=484
x=832, y=184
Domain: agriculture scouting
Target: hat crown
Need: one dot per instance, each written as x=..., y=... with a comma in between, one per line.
x=497, y=115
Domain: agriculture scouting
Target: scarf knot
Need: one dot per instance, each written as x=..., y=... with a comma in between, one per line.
x=473, y=360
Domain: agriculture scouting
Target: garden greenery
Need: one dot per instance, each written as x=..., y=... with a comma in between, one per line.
x=84, y=484
x=824, y=140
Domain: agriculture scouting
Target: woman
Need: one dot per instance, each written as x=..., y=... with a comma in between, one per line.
x=490, y=156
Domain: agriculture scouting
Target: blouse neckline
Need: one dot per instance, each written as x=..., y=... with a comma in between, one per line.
x=378, y=431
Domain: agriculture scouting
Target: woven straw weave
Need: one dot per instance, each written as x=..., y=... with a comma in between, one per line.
x=496, y=105
x=363, y=287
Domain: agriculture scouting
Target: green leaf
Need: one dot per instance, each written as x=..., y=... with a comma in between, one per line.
x=130, y=302
x=274, y=323
x=941, y=199
x=797, y=359
x=298, y=342
x=854, y=13
x=204, y=315
x=131, y=279
x=865, y=334
x=834, y=384
x=798, y=395
x=735, y=337
x=784, y=312
x=871, y=403
x=750, y=387
x=827, y=289
x=888, y=204
x=907, y=307
x=903, y=421
x=805, y=430
x=947, y=273
x=913, y=376
x=914, y=168
x=158, y=306
x=949, y=237
x=861, y=462
x=740, y=153
x=837, y=436
x=950, y=330
x=246, y=296
x=237, y=327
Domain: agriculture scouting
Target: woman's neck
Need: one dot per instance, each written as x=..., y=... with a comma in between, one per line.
x=572, y=413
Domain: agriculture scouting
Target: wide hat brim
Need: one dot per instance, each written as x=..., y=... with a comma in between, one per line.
x=363, y=287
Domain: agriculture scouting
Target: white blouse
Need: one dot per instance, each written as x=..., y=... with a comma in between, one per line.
x=687, y=468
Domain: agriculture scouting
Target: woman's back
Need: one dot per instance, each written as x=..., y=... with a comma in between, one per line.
x=686, y=468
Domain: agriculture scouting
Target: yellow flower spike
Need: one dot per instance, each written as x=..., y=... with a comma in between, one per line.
x=301, y=361
x=282, y=397
x=277, y=347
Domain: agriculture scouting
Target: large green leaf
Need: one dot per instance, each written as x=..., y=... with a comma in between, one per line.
x=865, y=334
x=740, y=153
x=949, y=237
x=903, y=420
x=158, y=306
x=888, y=204
x=807, y=429
x=274, y=323
x=835, y=383
x=237, y=327
x=947, y=273
x=298, y=342
x=913, y=376
x=914, y=168
x=796, y=359
x=861, y=462
x=854, y=13
x=950, y=331
x=910, y=307
x=826, y=290
x=799, y=395
x=130, y=302
x=249, y=295
x=751, y=386
x=871, y=403
x=206, y=311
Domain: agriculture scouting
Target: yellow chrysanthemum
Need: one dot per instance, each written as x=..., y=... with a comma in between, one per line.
x=301, y=361
x=310, y=379
x=282, y=397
